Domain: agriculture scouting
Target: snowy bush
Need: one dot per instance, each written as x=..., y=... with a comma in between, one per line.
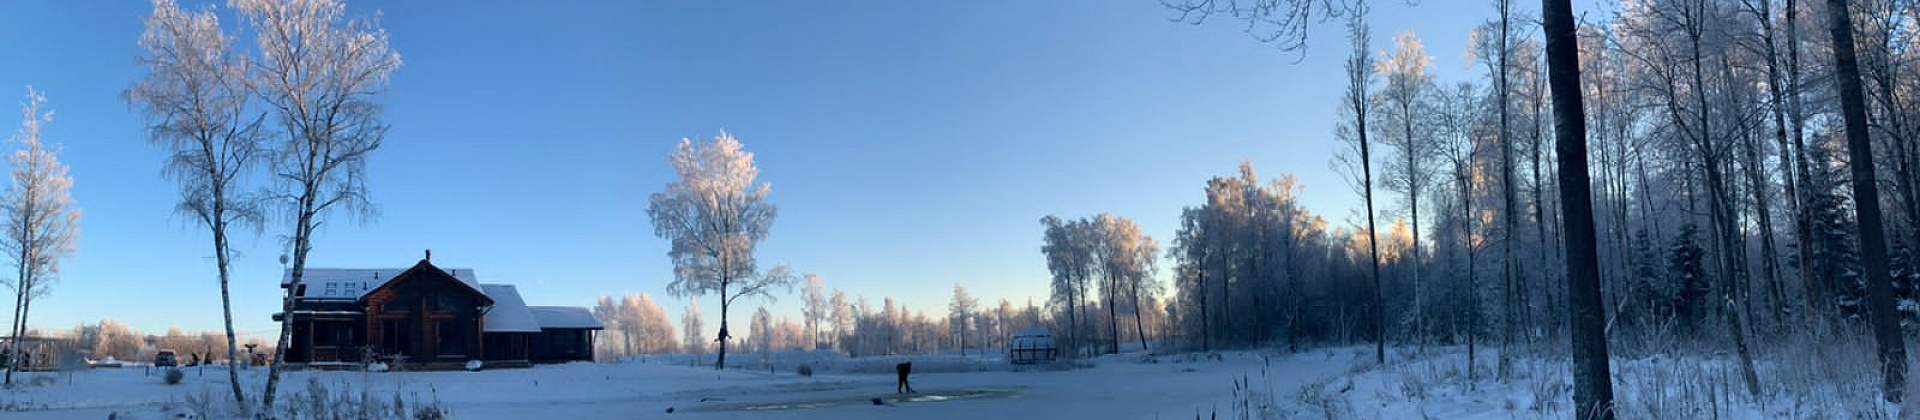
x=474, y=365
x=1804, y=376
x=174, y=376
x=319, y=402
x=376, y=367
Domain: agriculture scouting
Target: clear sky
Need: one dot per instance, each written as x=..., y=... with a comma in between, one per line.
x=911, y=145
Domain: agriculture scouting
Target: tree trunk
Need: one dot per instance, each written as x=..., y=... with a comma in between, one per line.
x=720, y=363
x=1113, y=315
x=1373, y=247
x=1139, y=326
x=1593, y=389
x=16, y=329
x=221, y=258
x=1413, y=206
x=1473, y=289
x=1886, y=326
x=302, y=244
x=1511, y=303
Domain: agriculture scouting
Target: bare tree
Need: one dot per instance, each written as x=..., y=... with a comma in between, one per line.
x=42, y=221
x=1068, y=259
x=1281, y=23
x=715, y=214
x=322, y=75
x=195, y=99
x=813, y=301
x=960, y=310
x=840, y=315
x=1886, y=324
x=1403, y=97
x=690, y=326
x=1360, y=74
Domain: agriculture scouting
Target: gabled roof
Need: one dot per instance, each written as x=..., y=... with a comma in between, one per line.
x=426, y=271
x=509, y=313
x=352, y=283
x=565, y=318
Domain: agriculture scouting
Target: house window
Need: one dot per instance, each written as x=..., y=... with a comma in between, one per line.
x=332, y=335
x=396, y=337
x=451, y=340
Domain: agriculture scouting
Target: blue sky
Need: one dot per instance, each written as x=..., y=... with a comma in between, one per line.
x=911, y=145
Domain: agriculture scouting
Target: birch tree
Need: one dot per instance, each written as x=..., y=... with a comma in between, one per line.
x=1403, y=96
x=690, y=326
x=42, y=220
x=813, y=301
x=960, y=310
x=195, y=100
x=840, y=315
x=715, y=214
x=322, y=75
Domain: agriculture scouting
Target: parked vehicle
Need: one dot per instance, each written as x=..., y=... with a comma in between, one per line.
x=165, y=358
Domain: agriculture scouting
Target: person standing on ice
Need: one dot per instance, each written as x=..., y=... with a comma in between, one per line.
x=903, y=369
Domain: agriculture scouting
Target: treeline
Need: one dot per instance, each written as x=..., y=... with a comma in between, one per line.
x=830, y=320
x=1721, y=190
x=113, y=339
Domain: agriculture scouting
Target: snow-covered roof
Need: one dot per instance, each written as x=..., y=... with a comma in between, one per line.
x=1034, y=332
x=509, y=313
x=352, y=283
x=565, y=317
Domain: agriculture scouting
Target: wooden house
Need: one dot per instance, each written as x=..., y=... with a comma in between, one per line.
x=425, y=317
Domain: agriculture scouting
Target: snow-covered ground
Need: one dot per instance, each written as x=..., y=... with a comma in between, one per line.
x=1837, y=382
x=1138, y=386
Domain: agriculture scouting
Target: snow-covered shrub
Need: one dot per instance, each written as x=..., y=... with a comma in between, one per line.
x=474, y=365
x=174, y=376
x=376, y=367
x=319, y=402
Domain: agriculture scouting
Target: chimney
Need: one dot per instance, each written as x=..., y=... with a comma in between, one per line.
x=429, y=259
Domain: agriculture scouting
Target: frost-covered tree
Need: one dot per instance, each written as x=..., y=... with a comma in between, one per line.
x=1402, y=100
x=195, y=98
x=1124, y=258
x=1004, y=318
x=639, y=323
x=715, y=214
x=1070, y=259
x=322, y=75
x=761, y=330
x=42, y=220
x=813, y=308
x=960, y=311
x=841, y=316
x=690, y=326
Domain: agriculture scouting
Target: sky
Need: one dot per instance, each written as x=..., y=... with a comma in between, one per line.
x=911, y=146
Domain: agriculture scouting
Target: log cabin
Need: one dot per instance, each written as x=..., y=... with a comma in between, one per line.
x=425, y=317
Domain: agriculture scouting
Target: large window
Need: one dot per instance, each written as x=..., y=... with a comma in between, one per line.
x=451, y=339
x=332, y=335
x=396, y=337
